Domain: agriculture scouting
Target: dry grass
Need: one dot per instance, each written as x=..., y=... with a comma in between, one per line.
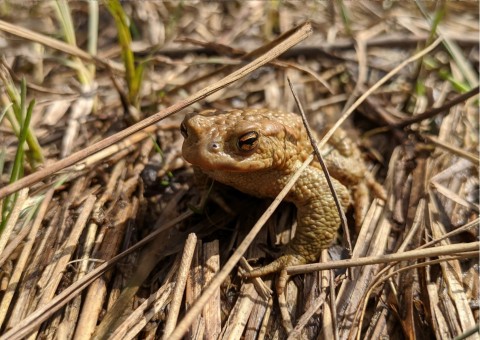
x=97, y=243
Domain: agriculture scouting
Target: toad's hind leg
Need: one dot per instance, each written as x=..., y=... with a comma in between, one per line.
x=317, y=223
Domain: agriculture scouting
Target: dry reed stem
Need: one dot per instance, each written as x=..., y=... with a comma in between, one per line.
x=157, y=301
x=194, y=287
x=240, y=313
x=452, y=274
x=332, y=304
x=180, y=284
x=408, y=255
x=139, y=318
x=454, y=232
x=372, y=240
x=126, y=144
x=306, y=316
x=14, y=214
x=13, y=244
x=212, y=311
x=430, y=113
x=258, y=317
x=455, y=150
x=454, y=197
x=298, y=35
x=372, y=89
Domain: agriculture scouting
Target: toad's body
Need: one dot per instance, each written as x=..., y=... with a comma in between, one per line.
x=257, y=150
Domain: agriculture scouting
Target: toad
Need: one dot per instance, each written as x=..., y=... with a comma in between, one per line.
x=257, y=150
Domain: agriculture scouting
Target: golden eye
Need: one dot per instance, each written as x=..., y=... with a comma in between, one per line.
x=248, y=141
x=183, y=130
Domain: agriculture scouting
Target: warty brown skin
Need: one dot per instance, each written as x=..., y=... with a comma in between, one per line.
x=257, y=150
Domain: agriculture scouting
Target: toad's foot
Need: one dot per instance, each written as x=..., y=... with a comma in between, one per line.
x=279, y=265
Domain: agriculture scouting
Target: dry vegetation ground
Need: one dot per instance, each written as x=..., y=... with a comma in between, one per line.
x=64, y=271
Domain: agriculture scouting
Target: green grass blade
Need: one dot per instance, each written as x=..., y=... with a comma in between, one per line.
x=65, y=18
x=92, y=32
x=17, y=170
x=125, y=39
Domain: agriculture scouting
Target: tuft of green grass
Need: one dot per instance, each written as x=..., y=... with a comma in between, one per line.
x=18, y=164
x=133, y=72
x=15, y=112
x=443, y=72
x=468, y=73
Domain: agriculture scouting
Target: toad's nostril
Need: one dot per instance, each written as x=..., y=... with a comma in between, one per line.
x=215, y=146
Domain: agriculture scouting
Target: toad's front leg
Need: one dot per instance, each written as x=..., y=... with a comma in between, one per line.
x=317, y=223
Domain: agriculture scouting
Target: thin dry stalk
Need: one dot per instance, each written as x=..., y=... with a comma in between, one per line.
x=180, y=284
x=12, y=246
x=194, y=288
x=452, y=274
x=128, y=144
x=318, y=154
x=22, y=197
x=408, y=255
x=454, y=150
x=416, y=224
x=454, y=232
x=57, y=45
x=212, y=311
x=303, y=320
x=332, y=305
x=372, y=89
x=430, y=113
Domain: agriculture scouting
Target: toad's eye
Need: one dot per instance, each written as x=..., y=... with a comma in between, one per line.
x=183, y=130
x=248, y=141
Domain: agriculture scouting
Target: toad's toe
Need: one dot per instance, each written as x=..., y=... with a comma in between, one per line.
x=279, y=265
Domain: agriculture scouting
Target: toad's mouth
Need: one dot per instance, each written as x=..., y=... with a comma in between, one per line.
x=221, y=161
